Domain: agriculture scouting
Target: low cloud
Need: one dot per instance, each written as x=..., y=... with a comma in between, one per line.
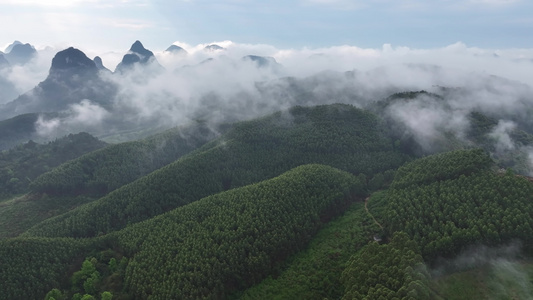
x=221, y=86
x=84, y=116
x=501, y=133
x=503, y=273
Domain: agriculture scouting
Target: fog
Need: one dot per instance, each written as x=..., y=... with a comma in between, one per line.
x=502, y=270
x=221, y=86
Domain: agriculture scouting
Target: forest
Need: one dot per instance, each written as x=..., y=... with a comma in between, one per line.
x=312, y=202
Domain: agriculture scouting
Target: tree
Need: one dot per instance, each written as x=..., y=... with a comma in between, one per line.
x=54, y=294
x=106, y=296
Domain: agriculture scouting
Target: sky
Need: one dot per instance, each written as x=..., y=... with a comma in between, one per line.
x=113, y=25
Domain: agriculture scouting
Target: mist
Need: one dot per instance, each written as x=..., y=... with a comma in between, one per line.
x=504, y=275
x=226, y=85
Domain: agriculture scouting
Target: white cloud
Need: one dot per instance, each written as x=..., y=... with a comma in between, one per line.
x=501, y=134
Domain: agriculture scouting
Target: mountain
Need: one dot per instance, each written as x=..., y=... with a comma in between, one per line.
x=137, y=56
x=8, y=91
x=72, y=60
x=306, y=203
x=264, y=62
x=10, y=47
x=99, y=64
x=21, y=54
x=176, y=50
x=3, y=61
x=73, y=77
x=19, y=166
x=341, y=136
x=103, y=171
x=213, y=47
x=17, y=130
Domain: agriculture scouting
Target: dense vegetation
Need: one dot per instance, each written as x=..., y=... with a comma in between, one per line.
x=247, y=215
x=20, y=213
x=108, y=169
x=232, y=240
x=17, y=130
x=390, y=271
x=461, y=204
x=315, y=273
x=19, y=166
x=31, y=266
x=212, y=247
x=341, y=136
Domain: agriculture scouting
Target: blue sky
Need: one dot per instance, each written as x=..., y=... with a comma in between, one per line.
x=115, y=24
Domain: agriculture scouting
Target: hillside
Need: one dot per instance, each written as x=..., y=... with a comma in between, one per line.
x=341, y=136
x=461, y=205
x=309, y=203
x=263, y=223
x=22, y=164
x=17, y=130
x=100, y=172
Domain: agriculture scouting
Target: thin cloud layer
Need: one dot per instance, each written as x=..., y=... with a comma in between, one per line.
x=244, y=81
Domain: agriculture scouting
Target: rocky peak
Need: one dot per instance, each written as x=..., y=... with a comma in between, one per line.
x=213, y=47
x=72, y=59
x=99, y=64
x=176, y=49
x=20, y=53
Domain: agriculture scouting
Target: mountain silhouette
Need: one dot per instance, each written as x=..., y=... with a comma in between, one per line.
x=137, y=55
x=73, y=77
x=20, y=53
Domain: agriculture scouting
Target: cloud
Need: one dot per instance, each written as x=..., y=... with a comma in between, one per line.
x=503, y=273
x=83, y=116
x=501, y=133
x=219, y=86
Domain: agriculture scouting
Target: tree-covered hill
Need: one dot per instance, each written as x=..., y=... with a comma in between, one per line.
x=105, y=170
x=17, y=130
x=21, y=165
x=232, y=240
x=426, y=123
x=32, y=266
x=449, y=201
x=341, y=136
x=209, y=248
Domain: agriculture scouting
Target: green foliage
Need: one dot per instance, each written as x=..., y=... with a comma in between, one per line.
x=440, y=167
x=88, y=269
x=20, y=213
x=22, y=164
x=341, y=136
x=106, y=296
x=108, y=169
x=389, y=271
x=17, y=130
x=480, y=132
x=315, y=272
x=229, y=241
x=31, y=267
x=54, y=294
x=463, y=208
x=501, y=279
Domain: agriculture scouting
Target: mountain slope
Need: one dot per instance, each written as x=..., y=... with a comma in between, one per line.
x=263, y=224
x=21, y=165
x=464, y=204
x=338, y=135
x=102, y=171
x=73, y=77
